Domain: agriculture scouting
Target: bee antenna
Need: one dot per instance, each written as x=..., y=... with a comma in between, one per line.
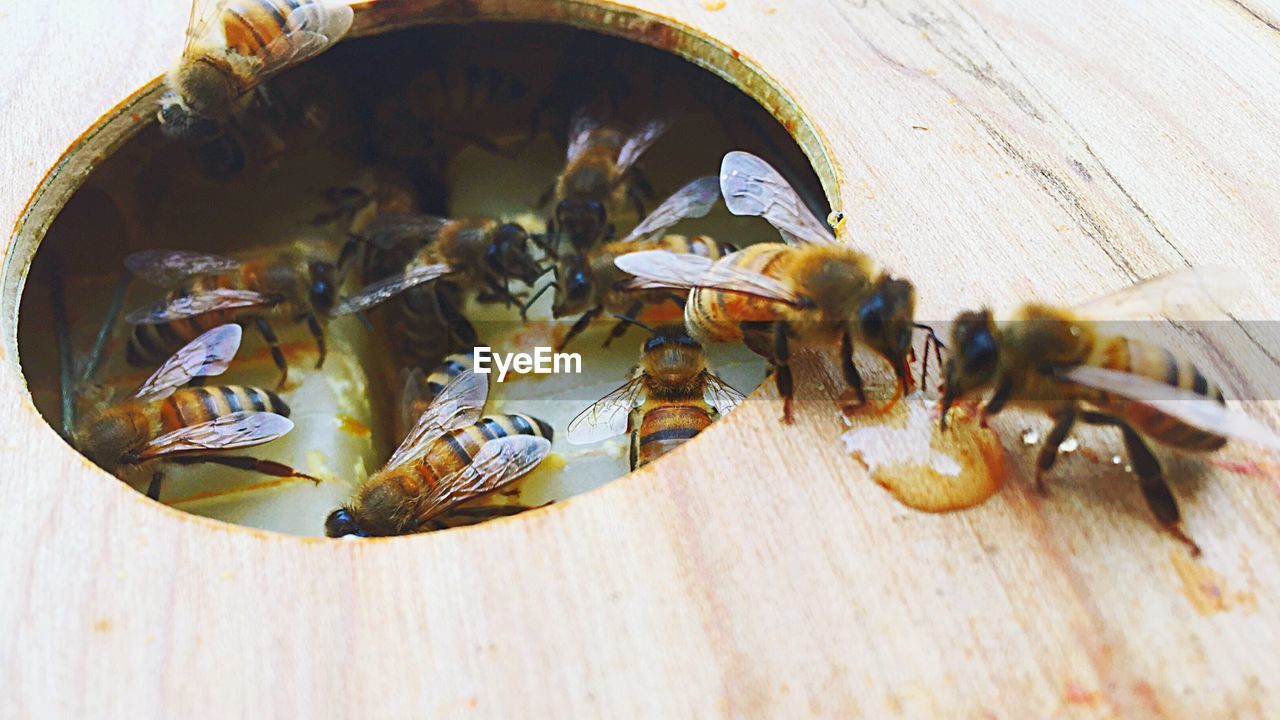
x=633, y=321
x=347, y=256
x=104, y=332
x=66, y=363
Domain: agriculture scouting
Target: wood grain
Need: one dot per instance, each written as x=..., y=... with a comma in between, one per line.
x=991, y=151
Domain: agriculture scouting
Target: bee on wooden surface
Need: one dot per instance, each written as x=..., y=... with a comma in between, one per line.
x=1063, y=362
x=452, y=455
x=597, y=181
x=232, y=46
x=811, y=290
x=187, y=425
x=592, y=284
x=208, y=290
x=672, y=398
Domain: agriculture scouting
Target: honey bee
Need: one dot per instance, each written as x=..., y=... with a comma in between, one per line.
x=483, y=253
x=187, y=425
x=592, y=284
x=232, y=46
x=810, y=290
x=451, y=455
x=597, y=180
x=672, y=398
x=1064, y=363
x=210, y=290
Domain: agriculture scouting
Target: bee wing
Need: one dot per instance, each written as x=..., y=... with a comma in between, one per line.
x=1190, y=408
x=200, y=22
x=752, y=187
x=191, y=305
x=388, y=288
x=694, y=200
x=168, y=268
x=459, y=404
x=1201, y=293
x=414, y=397
x=499, y=462
x=642, y=139
x=237, y=430
x=388, y=230
x=310, y=28
x=207, y=355
x=580, y=128
x=607, y=417
x=664, y=269
x=721, y=395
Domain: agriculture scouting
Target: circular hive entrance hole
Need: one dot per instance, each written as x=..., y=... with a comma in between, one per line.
x=471, y=120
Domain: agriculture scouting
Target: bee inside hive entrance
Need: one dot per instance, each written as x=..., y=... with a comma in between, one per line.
x=322, y=178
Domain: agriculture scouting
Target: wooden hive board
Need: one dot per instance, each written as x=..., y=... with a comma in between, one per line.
x=990, y=151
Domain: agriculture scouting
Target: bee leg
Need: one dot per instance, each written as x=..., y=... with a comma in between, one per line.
x=545, y=199
x=620, y=328
x=852, y=377
x=317, y=332
x=782, y=369
x=1049, y=450
x=579, y=326
x=639, y=190
x=998, y=400
x=273, y=342
x=244, y=462
x=633, y=452
x=153, y=490
x=1158, y=495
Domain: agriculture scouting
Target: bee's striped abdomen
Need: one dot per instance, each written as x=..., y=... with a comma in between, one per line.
x=716, y=315
x=667, y=427
x=1162, y=365
x=251, y=25
x=445, y=372
x=194, y=405
x=152, y=344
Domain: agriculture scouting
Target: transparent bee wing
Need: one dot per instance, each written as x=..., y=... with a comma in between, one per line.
x=459, y=404
x=388, y=230
x=207, y=355
x=388, y=288
x=641, y=140
x=607, y=417
x=200, y=23
x=721, y=395
x=1201, y=293
x=415, y=397
x=237, y=430
x=191, y=305
x=752, y=187
x=498, y=463
x=310, y=28
x=664, y=269
x=168, y=268
x=694, y=200
x=1190, y=408
x=580, y=128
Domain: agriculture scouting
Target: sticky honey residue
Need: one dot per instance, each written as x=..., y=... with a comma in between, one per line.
x=713, y=5
x=1206, y=589
x=923, y=467
x=1251, y=468
x=208, y=495
x=352, y=426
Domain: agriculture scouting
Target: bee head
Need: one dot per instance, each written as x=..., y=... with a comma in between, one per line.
x=582, y=220
x=974, y=357
x=886, y=320
x=180, y=122
x=342, y=522
x=573, y=286
x=508, y=254
x=324, y=287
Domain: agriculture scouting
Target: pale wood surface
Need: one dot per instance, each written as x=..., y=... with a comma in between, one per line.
x=1070, y=148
